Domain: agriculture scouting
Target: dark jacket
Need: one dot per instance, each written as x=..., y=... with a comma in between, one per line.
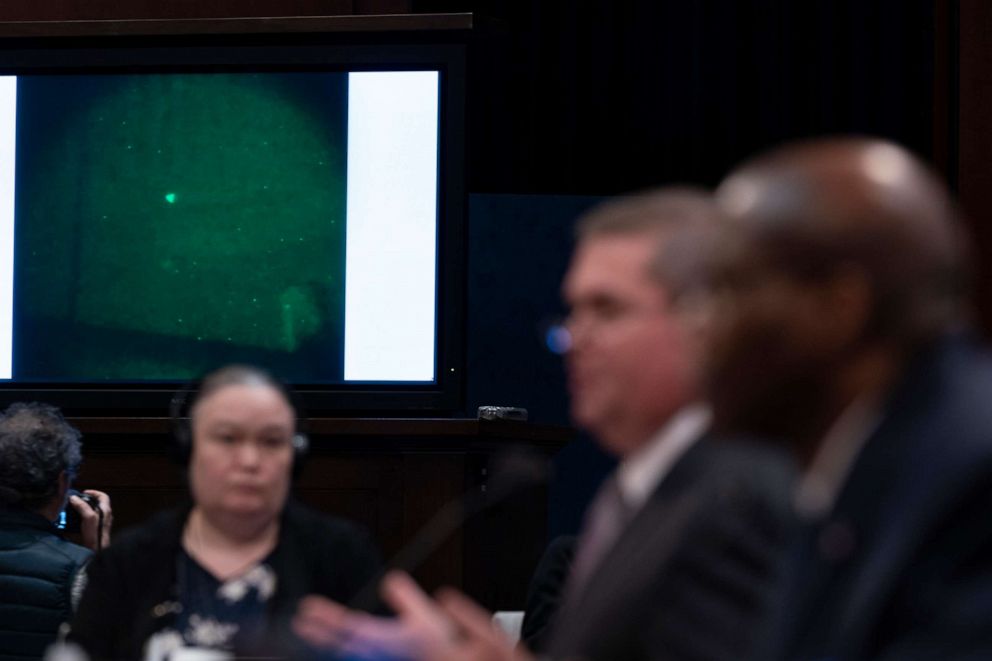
x=693, y=575
x=37, y=570
x=545, y=591
x=901, y=568
x=131, y=590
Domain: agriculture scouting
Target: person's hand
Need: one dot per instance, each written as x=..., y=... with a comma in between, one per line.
x=327, y=625
x=476, y=638
x=95, y=536
x=356, y=635
x=453, y=628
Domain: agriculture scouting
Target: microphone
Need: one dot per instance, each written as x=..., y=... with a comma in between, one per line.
x=510, y=473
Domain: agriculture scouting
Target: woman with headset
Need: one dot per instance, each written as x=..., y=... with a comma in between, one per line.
x=225, y=572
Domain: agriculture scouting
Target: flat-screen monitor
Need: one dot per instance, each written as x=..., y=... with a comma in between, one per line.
x=174, y=205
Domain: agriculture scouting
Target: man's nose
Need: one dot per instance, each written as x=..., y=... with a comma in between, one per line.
x=580, y=331
x=249, y=454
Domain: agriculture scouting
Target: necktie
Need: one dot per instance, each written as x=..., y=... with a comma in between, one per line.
x=608, y=515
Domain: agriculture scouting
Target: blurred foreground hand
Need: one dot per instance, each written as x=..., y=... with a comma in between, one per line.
x=451, y=627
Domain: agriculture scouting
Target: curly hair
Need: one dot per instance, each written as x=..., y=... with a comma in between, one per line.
x=36, y=445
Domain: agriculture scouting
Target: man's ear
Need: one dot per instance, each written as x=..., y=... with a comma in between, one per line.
x=52, y=508
x=63, y=488
x=695, y=312
x=847, y=299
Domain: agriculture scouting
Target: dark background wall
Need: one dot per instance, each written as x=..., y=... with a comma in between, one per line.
x=619, y=95
x=615, y=96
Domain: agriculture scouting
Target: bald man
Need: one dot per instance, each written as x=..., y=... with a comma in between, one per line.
x=842, y=291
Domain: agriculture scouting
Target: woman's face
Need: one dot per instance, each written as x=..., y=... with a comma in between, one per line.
x=242, y=451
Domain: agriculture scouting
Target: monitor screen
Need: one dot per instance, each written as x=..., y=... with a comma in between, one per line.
x=160, y=218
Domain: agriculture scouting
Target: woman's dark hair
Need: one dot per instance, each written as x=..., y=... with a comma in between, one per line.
x=36, y=445
x=183, y=407
x=237, y=375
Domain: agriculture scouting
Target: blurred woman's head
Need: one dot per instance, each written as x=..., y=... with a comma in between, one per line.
x=242, y=430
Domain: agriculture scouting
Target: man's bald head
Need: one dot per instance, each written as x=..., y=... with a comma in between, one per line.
x=842, y=257
x=820, y=206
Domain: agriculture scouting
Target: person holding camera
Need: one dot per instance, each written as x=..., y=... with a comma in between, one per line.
x=40, y=454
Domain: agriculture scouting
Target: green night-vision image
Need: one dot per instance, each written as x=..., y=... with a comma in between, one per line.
x=168, y=223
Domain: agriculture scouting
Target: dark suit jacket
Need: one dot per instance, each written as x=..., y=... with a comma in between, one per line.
x=902, y=567
x=691, y=576
x=545, y=591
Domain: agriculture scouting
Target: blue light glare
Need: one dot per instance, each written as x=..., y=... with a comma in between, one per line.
x=558, y=339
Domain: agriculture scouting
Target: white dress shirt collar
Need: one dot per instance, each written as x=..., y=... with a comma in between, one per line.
x=640, y=472
x=821, y=483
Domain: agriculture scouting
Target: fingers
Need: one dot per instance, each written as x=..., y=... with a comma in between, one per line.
x=102, y=498
x=83, y=508
x=95, y=532
x=327, y=625
x=481, y=639
x=321, y=622
x=475, y=623
x=403, y=594
x=453, y=628
x=103, y=502
x=421, y=617
x=467, y=614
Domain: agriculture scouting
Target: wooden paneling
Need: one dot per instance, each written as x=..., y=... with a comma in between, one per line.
x=390, y=476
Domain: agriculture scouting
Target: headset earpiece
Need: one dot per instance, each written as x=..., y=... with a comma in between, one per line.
x=182, y=402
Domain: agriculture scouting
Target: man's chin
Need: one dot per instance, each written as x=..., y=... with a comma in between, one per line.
x=586, y=418
x=607, y=437
x=250, y=507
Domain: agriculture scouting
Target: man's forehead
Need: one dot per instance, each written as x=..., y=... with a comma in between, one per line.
x=612, y=260
x=620, y=245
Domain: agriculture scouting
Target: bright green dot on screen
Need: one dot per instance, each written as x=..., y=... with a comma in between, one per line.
x=170, y=198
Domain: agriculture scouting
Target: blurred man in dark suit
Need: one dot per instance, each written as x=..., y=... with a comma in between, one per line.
x=677, y=556
x=842, y=294
x=691, y=510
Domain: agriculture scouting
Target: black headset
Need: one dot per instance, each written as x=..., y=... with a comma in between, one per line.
x=185, y=399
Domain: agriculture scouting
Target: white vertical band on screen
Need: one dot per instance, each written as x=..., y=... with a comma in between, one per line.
x=390, y=299
x=8, y=144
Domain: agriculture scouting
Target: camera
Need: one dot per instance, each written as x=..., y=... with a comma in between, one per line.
x=69, y=519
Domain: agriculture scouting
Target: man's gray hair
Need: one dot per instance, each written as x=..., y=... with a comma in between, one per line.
x=685, y=220
x=36, y=446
